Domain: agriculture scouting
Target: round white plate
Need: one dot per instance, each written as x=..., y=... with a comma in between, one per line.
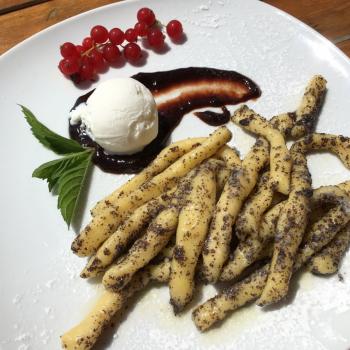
x=41, y=293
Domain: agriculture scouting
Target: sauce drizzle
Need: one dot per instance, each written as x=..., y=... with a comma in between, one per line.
x=214, y=118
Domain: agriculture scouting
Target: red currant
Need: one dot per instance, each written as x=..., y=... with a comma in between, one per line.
x=87, y=59
x=116, y=36
x=68, y=49
x=130, y=35
x=87, y=70
x=97, y=60
x=141, y=29
x=174, y=29
x=146, y=15
x=83, y=62
x=99, y=34
x=69, y=65
x=87, y=43
x=111, y=53
x=132, y=52
x=155, y=37
x=80, y=49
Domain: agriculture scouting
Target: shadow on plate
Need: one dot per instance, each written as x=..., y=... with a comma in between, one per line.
x=292, y=292
x=181, y=40
x=78, y=218
x=160, y=51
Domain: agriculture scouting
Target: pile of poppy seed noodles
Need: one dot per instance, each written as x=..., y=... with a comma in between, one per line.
x=199, y=214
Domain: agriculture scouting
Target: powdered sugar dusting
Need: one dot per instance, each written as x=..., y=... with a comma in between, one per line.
x=23, y=347
x=17, y=299
x=40, y=300
x=212, y=21
x=203, y=8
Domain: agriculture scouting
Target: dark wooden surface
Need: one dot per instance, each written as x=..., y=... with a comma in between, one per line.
x=22, y=18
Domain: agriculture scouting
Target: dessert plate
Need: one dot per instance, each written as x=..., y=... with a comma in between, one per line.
x=41, y=293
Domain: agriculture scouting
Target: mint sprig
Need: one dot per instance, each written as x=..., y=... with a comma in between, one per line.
x=66, y=175
x=56, y=143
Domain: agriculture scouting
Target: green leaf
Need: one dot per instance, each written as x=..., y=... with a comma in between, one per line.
x=48, y=171
x=58, y=144
x=67, y=175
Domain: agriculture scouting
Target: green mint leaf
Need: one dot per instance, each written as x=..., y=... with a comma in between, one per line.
x=49, y=171
x=67, y=175
x=58, y=144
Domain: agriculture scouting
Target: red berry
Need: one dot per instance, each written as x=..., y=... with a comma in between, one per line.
x=155, y=37
x=132, y=52
x=111, y=53
x=174, y=29
x=79, y=49
x=99, y=34
x=141, y=29
x=130, y=35
x=87, y=59
x=146, y=15
x=87, y=43
x=68, y=49
x=97, y=60
x=87, y=70
x=69, y=65
x=116, y=36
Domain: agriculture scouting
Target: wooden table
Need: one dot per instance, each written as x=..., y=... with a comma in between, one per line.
x=21, y=18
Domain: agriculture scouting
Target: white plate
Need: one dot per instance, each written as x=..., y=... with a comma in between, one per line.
x=41, y=293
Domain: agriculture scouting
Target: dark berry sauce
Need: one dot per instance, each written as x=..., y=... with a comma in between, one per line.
x=214, y=118
x=197, y=87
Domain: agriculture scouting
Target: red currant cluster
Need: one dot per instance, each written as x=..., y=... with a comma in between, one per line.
x=103, y=47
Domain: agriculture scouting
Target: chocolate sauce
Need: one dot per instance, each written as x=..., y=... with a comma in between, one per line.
x=198, y=87
x=214, y=118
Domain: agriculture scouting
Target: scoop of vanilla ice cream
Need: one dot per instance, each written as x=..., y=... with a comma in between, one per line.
x=120, y=115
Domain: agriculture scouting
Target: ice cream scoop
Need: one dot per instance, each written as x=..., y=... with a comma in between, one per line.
x=120, y=115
